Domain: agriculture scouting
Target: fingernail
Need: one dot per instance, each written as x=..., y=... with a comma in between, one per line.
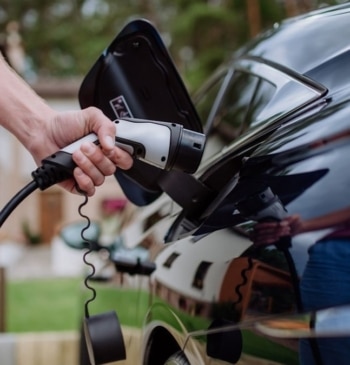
x=78, y=156
x=109, y=142
x=78, y=171
x=87, y=147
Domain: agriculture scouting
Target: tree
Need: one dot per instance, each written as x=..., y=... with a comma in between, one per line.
x=65, y=37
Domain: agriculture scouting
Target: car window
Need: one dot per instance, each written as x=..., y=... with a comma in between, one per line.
x=251, y=93
x=228, y=103
x=244, y=99
x=204, y=99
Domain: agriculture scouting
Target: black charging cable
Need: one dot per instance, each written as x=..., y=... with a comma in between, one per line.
x=44, y=177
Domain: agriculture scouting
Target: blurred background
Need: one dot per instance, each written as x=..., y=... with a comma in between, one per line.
x=63, y=37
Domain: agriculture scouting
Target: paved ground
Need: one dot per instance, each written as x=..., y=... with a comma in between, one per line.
x=57, y=260
x=25, y=262
x=30, y=262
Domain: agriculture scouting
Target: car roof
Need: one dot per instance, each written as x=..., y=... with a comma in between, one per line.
x=305, y=42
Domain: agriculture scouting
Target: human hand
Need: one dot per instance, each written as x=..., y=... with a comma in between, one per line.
x=94, y=163
x=43, y=131
x=268, y=233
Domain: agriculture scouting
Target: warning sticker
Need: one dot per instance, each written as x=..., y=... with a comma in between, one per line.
x=120, y=107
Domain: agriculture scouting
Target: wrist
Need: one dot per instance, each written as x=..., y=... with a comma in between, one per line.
x=34, y=130
x=296, y=225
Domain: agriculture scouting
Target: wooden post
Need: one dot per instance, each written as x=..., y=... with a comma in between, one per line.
x=254, y=17
x=2, y=299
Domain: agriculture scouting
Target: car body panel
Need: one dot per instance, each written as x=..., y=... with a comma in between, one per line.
x=305, y=42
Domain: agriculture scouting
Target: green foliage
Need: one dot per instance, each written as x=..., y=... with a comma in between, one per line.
x=209, y=32
x=31, y=237
x=65, y=37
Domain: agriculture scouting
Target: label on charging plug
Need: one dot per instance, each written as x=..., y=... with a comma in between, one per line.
x=120, y=107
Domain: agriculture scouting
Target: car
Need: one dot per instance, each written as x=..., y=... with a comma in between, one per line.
x=276, y=116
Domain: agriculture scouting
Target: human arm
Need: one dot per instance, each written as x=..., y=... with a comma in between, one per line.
x=43, y=131
x=267, y=233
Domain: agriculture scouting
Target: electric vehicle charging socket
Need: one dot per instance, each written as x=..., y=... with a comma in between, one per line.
x=262, y=206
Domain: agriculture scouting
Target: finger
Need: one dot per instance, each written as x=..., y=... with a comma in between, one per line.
x=266, y=225
x=121, y=158
x=93, y=162
x=84, y=182
x=70, y=185
x=96, y=156
x=102, y=126
x=269, y=237
x=90, y=171
x=271, y=231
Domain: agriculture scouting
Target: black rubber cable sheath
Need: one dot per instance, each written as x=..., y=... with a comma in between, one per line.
x=16, y=200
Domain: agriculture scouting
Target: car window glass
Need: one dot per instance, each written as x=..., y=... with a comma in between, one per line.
x=205, y=98
x=264, y=93
x=244, y=99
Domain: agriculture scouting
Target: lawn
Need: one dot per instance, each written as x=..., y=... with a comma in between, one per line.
x=58, y=304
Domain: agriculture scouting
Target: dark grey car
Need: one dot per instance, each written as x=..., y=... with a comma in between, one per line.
x=278, y=117
x=277, y=122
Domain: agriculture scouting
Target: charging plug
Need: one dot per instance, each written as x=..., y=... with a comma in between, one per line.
x=54, y=169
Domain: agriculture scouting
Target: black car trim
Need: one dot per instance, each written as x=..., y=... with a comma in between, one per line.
x=218, y=100
x=304, y=79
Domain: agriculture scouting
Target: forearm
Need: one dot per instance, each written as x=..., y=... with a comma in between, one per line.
x=270, y=232
x=43, y=131
x=23, y=112
x=334, y=219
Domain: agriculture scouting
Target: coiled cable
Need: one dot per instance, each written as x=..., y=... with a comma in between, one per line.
x=90, y=245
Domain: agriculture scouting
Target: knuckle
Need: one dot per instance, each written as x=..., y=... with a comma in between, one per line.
x=110, y=169
x=98, y=157
x=99, y=181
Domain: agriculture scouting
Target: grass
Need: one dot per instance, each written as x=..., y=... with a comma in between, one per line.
x=58, y=304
